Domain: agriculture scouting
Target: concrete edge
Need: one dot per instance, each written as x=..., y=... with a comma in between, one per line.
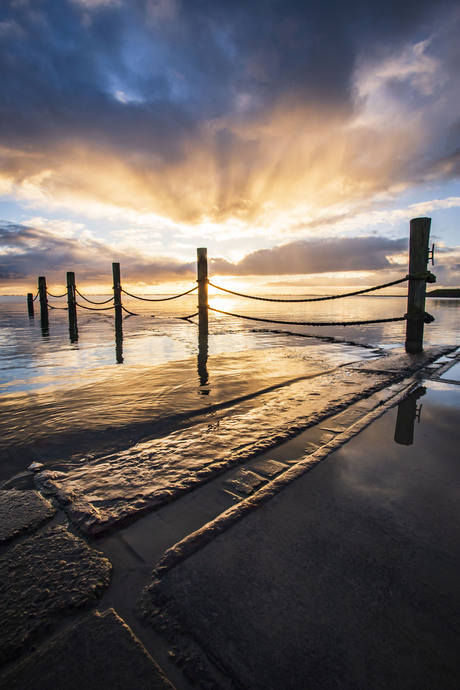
x=197, y=540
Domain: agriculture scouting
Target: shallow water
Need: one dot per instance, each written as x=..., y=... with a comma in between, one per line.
x=65, y=402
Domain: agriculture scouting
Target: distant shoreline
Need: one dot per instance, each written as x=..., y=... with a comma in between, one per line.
x=444, y=292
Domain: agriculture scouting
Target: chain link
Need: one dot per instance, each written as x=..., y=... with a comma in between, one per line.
x=313, y=299
x=159, y=299
x=311, y=323
x=90, y=300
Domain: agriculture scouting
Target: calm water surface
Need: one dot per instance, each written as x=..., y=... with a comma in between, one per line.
x=53, y=389
x=30, y=359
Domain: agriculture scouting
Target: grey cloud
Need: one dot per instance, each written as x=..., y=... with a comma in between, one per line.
x=316, y=256
x=27, y=252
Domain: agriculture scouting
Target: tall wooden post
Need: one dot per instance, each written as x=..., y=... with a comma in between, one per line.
x=72, y=306
x=117, y=289
x=118, y=312
x=43, y=304
x=30, y=304
x=202, y=276
x=418, y=260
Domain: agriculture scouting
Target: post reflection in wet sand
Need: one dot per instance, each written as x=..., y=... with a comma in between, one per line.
x=408, y=412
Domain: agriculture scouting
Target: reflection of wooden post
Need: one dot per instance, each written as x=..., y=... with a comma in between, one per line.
x=30, y=304
x=118, y=312
x=118, y=340
x=418, y=259
x=407, y=414
x=43, y=303
x=203, y=362
x=72, y=306
x=202, y=275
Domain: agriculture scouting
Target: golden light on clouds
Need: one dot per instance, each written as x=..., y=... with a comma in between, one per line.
x=151, y=128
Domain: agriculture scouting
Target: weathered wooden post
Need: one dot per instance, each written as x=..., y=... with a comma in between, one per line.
x=72, y=306
x=117, y=289
x=43, y=303
x=30, y=304
x=202, y=279
x=419, y=276
x=118, y=312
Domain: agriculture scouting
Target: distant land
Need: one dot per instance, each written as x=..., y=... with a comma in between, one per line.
x=444, y=292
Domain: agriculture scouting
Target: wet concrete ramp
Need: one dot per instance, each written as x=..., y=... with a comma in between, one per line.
x=347, y=578
x=108, y=491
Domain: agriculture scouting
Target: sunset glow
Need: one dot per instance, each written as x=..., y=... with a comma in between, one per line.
x=145, y=130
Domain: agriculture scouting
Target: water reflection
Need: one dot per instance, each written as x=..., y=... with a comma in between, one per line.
x=118, y=338
x=203, y=361
x=408, y=412
x=44, y=324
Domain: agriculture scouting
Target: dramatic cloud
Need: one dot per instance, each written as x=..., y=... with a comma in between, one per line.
x=246, y=123
x=26, y=252
x=217, y=109
x=325, y=255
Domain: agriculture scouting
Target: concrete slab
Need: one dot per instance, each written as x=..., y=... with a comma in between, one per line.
x=98, y=652
x=21, y=511
x=348, y=578
x=43, y=578
x=104, y=494
x=243, y=482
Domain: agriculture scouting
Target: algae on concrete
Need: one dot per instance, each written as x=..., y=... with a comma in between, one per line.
x=21, y=511
x=45, y=577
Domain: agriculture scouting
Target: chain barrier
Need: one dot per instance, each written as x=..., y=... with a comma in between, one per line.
x=92, y=301
x=187, y=318
x=36, y=296
x=131, y=313
x=56, y=296
x=311, y=323
x=159, y=299
x=51, y=307
x=82, y=306
x=313, y=299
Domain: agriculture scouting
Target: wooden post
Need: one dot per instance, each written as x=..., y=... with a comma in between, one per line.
x=43, y=303
x=202, y=276
x=418, y=260
x=117, y=290
x=118, y=312
x=30, y=304
x=72, y=306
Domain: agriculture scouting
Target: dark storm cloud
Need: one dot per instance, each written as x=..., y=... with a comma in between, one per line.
x=26, y=252
x=177, y=64
x=325, y=255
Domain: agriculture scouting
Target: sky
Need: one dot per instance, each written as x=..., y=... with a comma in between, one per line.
x=293, y=139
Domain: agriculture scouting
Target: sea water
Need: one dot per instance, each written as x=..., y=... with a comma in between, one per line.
x=65, y=400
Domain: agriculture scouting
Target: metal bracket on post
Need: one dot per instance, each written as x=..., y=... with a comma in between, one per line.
x=431, y=254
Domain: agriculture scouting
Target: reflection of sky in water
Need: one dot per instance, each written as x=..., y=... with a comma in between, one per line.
x=453, y=373
x=30, y=360
x=414, y=476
